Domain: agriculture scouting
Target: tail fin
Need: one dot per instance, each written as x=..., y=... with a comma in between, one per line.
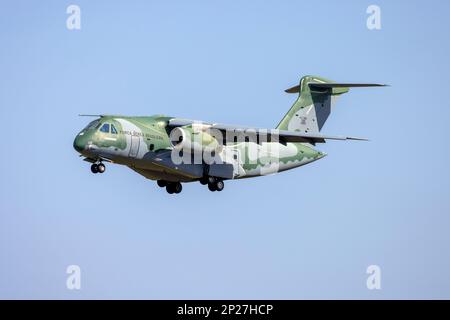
x=316, y=99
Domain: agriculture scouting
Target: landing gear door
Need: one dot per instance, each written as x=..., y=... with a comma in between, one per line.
x=134, y=146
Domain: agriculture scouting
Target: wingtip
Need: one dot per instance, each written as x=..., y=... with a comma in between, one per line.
x=357, y=139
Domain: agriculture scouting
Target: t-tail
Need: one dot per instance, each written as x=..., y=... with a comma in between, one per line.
x=315, y=102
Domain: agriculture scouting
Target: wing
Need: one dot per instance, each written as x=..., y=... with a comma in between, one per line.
x=282, y=136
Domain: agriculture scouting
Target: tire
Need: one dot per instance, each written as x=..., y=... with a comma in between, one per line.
x=94, y=168
x=161, y=183
x=212, y=187
x=177, y=187
x=204, y=181
x=170, y=188
x=101, y=168
x=220, y=185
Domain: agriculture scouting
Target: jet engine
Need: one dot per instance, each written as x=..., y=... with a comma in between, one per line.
x=187, y=138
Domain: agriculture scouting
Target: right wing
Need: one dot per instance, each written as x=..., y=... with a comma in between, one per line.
x=282, y=136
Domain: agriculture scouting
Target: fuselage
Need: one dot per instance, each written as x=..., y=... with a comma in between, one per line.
x=144, y=145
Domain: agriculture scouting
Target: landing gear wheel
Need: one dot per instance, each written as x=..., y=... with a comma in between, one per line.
x=204, y=181
x=174, y=187
x=177, y=187
x=215, y=184
x=212, y=187
x=220, y=185
x=101, y=168
x=161, y=183
x=170, y=189
x=94, y=168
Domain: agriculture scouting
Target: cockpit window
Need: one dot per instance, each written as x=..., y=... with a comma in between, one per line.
x=105, y=128
x=92, y=124
x=113, y=129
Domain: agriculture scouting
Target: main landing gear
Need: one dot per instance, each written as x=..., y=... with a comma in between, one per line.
x=171, y=187
x=214, y=184
x=98, y=168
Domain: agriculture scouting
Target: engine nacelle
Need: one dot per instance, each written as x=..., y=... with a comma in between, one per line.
x=187, y=138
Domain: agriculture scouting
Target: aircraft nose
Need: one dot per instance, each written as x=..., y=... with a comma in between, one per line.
x=79, y=143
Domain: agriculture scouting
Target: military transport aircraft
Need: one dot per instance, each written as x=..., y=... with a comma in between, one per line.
x=173, y=150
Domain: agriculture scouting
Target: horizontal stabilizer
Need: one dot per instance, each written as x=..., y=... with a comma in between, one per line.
x=345, y=85
x=287, y=136
x=317, y=85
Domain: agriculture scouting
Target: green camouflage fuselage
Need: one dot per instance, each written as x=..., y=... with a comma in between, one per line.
x=143, y=144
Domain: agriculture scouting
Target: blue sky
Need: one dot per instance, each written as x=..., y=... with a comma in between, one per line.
x=307, y=233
